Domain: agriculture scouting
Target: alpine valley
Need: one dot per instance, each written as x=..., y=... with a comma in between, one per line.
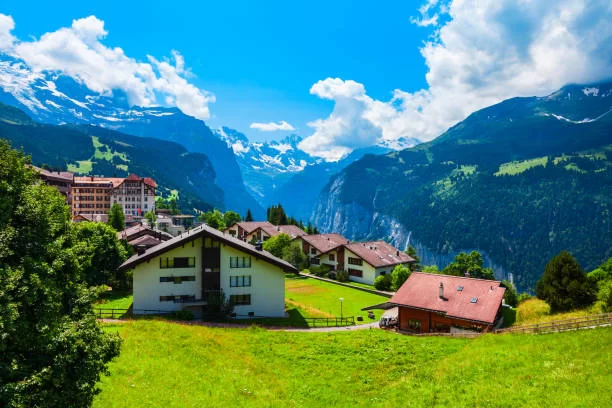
x=518, y=181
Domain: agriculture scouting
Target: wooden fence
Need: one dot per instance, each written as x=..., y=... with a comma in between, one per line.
x=330, y=321
x=561, y=325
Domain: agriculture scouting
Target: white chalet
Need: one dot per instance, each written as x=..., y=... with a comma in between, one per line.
x=182, y=272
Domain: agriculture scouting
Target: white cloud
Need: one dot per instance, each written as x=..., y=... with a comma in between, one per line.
x=485, y=52
x=271, y=126
x=78, y=51
x=6, y=26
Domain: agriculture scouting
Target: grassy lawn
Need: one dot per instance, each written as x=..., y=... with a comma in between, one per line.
x=114, y=300
x=164, y=364
x=315, y=298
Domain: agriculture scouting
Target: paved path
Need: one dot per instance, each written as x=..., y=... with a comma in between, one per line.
x=373, y=325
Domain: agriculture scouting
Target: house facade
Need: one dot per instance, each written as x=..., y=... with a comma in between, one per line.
x=253, y=231
x=324, y=249
x=365, y=261
x=429, y=303
x=91, y=195
x=135, y=195
x=183, y=272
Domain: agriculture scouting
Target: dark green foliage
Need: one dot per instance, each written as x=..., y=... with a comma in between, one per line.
x=411, y=252
x=383, y=282
x=564, y=285
x=319, y=270
x=231, y=217
x=278, y=244
x=116, y=218
x=342, y=276
x=399, y=275
x=52, y=351
x=469, y=263
x=294, y=254
x=213, y=219
x=167, y=204
x=602, y=277
x=510, y=296
x=100, y=253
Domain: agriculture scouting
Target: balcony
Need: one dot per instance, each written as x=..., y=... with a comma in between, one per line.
x=207, y=296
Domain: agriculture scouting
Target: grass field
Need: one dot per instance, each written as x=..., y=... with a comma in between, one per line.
x=534, y=310
x=170, y=365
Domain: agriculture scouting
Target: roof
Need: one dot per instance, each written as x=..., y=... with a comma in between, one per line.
x=115, y=181
x=292, y=230
x=205, y=230
x=91, y=217
x=146, y=240
x=140, y=230
x=60, y=175
x=325, y=242
x=250, y=226
x=379, y=253
x=421, y=291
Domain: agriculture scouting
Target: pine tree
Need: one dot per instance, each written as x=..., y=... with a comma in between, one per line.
x=248, y=217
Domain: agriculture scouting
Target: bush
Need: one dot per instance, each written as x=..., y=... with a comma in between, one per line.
x=383, y=282
x=564, y=285
x=522, y=297
x=319, y=270
x=399, y=275
x=510, y=296
x=342, y=276
x=181, y=315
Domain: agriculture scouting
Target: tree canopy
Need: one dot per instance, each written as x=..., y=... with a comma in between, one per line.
x=469, y=263
x=52, y=350
x=399, y=275
x=276, y=245
x=564, y=285
x=116, y=218
x=213, y=219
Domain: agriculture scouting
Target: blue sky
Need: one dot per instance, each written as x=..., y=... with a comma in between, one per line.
x=343, y=74
x=258, y=58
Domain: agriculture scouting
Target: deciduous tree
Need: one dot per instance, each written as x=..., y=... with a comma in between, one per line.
x=52, y=350
x=116, y=218
x=399, y=275
x=276, y=245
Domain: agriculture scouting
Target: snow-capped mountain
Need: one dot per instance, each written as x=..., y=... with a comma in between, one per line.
x=266, y=166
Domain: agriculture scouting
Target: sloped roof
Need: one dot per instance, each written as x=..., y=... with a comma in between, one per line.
x=250, y=226
x=146, y=240
x=325, y=242
x=205, y=230
x=91, y=217
x=139, y=230
x=421, y=291
x=115, y=181
x=62, y=175
x=292, y=230
x=379, y=253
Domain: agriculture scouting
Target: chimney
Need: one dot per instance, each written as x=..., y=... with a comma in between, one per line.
x=397, y=253
x=441, y=291
x=258, y=246
x=467, y=274
x=141, y=249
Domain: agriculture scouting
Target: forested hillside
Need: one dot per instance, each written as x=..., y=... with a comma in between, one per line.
x=517, y=180
x=98, y=151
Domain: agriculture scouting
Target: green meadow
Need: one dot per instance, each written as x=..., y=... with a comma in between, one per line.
x=165, y=364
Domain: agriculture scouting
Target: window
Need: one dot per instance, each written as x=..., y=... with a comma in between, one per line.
x=240, y=261
x=240, y=281
x=240, y=299
x=177, y=262
x=355, y=272
x=177, y=299
x=315, y=261
x=355, y=261
x=459, y=288
x=177, y=279
x=332, y=257
x=474, y=299
x=414, y=324
x=313, y=251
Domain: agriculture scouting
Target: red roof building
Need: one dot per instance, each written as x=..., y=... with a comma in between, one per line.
x=441, y=303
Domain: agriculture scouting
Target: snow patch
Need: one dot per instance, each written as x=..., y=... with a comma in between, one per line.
x=282, y=148
x=591, y=91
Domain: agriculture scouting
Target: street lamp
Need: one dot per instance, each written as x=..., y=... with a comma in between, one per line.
x=341, y=300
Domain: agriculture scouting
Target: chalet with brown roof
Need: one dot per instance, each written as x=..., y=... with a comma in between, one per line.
x=365, y=261
x=253, y=231
x=135, y=236
x=324, y=249
x=429, y=303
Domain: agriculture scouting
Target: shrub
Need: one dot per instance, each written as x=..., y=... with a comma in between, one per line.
x=523, y=297
x=383, y=282
x=564, y=285
x=399, y=275
x=510, y=296
x=319, y=270
x=182, y=315
x=342, y=276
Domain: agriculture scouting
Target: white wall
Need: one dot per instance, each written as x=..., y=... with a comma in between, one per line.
x=148, y=288
x=267, y=288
